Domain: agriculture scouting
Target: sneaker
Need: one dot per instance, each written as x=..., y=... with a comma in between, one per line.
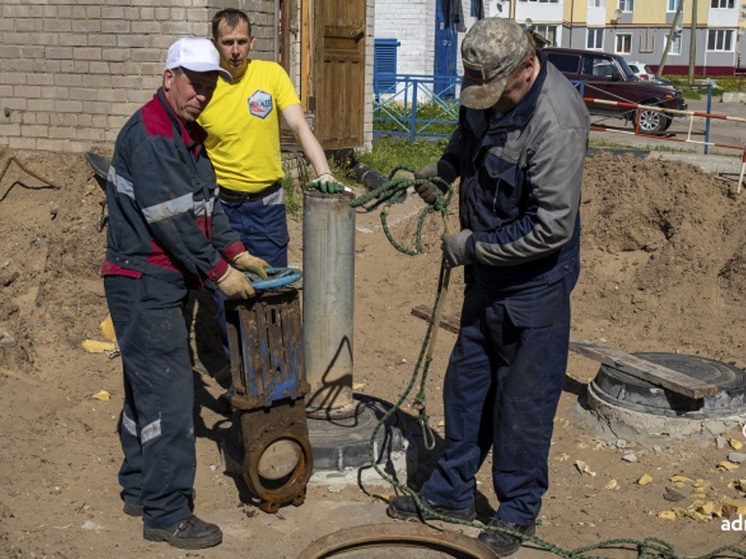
x=190, y=533
x=503, y=543
x=404, y=507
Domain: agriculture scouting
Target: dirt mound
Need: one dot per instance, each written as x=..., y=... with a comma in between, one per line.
x=662, y=248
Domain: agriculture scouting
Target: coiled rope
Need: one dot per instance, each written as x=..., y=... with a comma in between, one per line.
x=387, y=194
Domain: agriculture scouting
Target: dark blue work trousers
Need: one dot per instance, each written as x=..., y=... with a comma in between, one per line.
x=263, y=228
x=501, y=390
x=157, y=431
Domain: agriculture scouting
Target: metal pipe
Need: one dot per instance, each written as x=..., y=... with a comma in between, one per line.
x=693, y=45
x=328, y=300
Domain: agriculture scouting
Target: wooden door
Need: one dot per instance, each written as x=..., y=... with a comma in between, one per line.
x=338, y=74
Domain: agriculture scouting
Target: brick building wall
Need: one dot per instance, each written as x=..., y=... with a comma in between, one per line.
x=73, y=71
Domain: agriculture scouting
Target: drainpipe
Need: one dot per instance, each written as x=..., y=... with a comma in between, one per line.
x=275, y=32
x=693, y=44
x=572, y=19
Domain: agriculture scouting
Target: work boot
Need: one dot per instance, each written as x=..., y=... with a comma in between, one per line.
x=132, y=508
x=190, y=533
x=502, y=543
x=404, y=507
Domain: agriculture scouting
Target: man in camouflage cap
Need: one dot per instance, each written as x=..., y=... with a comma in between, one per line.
x=519, y=151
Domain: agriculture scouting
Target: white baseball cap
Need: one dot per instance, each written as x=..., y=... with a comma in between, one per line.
x=197, y=55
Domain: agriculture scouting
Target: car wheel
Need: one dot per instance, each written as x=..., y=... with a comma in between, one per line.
x=651, y=122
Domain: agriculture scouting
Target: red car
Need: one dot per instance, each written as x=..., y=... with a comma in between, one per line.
x=607, y=77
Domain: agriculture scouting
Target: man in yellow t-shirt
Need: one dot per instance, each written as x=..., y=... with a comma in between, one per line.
x=243, y=143
x=243, y=127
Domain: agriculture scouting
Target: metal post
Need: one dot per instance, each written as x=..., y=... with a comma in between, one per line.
x=671, y=33
x=693, y=44
x=707, y=119
x=413, y=114
x=328, y=301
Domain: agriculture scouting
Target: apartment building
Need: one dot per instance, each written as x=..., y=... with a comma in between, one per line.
x=422, y=36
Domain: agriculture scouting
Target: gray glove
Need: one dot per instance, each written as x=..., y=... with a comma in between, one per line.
x=429, y=191
x=454, y=248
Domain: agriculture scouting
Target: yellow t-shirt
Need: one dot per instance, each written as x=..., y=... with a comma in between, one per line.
x=242, y=121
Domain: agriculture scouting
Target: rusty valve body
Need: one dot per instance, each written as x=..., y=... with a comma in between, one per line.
x=269, y=380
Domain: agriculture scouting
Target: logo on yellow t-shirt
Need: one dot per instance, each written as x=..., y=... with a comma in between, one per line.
x=260, y=103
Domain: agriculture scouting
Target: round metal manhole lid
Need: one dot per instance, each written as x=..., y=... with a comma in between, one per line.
x=622, y=389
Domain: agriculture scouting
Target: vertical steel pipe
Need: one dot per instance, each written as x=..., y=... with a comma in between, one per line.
x=328, y=301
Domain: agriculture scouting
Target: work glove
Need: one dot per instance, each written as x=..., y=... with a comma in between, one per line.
x=454, y=248
x=235, y=285
x=247, y=263
x=326, y=183
x=429, y=191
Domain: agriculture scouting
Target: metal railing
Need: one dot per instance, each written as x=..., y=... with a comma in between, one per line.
x=415, y=106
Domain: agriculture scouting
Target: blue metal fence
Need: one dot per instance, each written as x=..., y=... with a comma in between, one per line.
x=411, y=107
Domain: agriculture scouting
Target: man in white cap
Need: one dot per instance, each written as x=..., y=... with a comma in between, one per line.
x=167, y=233
x=519, y=151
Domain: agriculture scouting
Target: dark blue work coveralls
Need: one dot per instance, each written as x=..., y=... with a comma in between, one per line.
x=519, y=195
x=167, y=232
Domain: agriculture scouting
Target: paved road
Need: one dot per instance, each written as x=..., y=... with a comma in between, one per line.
x=673, y=145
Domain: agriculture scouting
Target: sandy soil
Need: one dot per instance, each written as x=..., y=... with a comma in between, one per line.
x=663, y=270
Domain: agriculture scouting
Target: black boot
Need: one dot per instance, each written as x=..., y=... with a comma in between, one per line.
x=405, y=507
x=502, y=543
x=190, y=533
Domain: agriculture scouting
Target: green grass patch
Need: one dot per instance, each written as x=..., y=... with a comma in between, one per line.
x=605, y=144
x=389, y=153
x=293, y=196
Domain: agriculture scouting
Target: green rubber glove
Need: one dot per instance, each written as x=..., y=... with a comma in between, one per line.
x=327, y=183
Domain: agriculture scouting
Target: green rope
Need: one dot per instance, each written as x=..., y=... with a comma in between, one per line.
x=387, y=194
x=391, y=191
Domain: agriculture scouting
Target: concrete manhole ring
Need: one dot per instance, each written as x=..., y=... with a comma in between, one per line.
x=626, y=391
x=395, y=535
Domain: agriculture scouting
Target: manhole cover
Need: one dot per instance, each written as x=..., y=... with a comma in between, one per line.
x=619, y=388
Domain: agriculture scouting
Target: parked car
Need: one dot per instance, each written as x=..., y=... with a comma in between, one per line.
x=608, y=77
x=642, y=71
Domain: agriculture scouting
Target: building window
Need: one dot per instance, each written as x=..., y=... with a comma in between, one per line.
x=627, y=5
x=673, y=5
x=720, y=40
x=549, y=32
x=675, y=44
x=595, y=38
x=596, y=3
x=723, y=4
x=542, y=1
x=647, y=42
x=624, y=43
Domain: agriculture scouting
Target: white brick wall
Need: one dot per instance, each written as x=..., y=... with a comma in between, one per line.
x=413, y=25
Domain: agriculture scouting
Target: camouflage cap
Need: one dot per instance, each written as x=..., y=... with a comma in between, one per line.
x=491, y=50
